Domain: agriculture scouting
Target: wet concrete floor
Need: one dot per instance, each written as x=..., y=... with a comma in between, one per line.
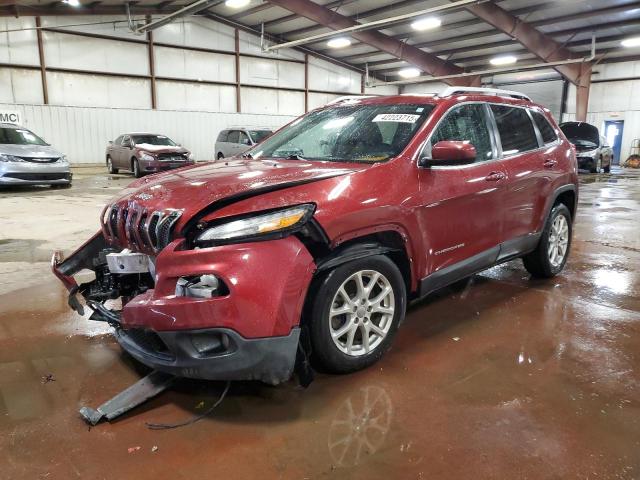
x=500, y=377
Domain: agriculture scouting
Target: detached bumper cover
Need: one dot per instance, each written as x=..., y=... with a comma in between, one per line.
x=270, y=360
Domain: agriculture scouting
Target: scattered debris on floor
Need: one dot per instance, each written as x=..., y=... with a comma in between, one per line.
x=133, y=449
x=154, y=449
x=48, y=378
x=456, y=339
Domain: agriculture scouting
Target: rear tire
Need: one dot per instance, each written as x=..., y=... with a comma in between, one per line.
x=220, y=156
x=135, y=166
x=368, y=316
x=607, y=169
x=550, y=256
x=110, y=168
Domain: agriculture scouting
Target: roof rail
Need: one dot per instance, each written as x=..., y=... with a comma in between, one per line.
x=447, y=92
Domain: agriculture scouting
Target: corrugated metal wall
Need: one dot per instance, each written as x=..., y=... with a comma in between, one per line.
x=82, y=133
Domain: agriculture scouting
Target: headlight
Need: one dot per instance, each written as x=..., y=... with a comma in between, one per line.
x=63, y=159
x=191, y=157
x=273, y=224
x=146, y=156
x=10, y=158
x=589, y=153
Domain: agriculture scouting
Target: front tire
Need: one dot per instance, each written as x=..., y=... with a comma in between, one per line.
x=355, y=313
x=110, y=168
x=220, y=156
x=135, y=166
x=550, y=256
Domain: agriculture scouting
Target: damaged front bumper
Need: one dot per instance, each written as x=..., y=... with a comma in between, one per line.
x=248, y=332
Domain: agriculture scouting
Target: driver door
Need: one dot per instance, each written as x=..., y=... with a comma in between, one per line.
x=461, y=207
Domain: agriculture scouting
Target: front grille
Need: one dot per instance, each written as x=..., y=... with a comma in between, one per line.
x=40, y=160
x=129, y=225
x=149, y=341
x=39, y=177
x=171, y=157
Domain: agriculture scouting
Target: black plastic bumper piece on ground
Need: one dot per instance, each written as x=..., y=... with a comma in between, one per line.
x=141, y=391
x=270, y=360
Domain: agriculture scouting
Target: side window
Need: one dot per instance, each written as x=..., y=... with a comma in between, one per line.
x=515, y=129
x=222, y=136
x=118, y=141
x=546, y=130
x=125, y=141
x=467, y=122
x=233, y=136
x=243, y=138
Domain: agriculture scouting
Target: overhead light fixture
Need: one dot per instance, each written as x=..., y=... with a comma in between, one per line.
x=409, y=73
x=503, y=60
x=428, y=23
x=237, y=3
x=631, y=42
x=339, y=42
x=72, y=3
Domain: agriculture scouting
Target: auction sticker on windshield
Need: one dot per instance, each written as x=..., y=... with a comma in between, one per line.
x=396, y=117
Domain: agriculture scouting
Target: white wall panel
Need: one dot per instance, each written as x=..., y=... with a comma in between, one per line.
x=87, y=130
x=320, y=99
x=19, y=85
x=197, y=32
x=18, y=47
x=251, y=44
x=100, y=24
x=424, y=88
x=73, y=51
x=382, y=90
x=98, y=91
x=272, y=73
x=195, y=97
x=177, y=63
x=263, y=101
x=328, y=77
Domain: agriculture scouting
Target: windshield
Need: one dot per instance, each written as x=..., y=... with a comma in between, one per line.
x=153, y=140
x=19, y=136
x=581, y=134
x=258, y=135
x=352, y=133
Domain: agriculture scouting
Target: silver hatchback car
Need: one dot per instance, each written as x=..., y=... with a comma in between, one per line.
x=26, y=159
x=234, y=141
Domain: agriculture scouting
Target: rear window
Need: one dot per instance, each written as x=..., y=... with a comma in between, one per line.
x=546, y=130
x=516, y=130
x=222, y=136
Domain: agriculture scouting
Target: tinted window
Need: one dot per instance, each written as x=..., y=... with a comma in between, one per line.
x=160, y=140
x=19, y=136
x=243, y=138
x=546, y=130
x=348, y=132
x=125, y=141
x=234, y=136
x=466, y=123
x=515, y=128
x=222, y=136
x=118, y=141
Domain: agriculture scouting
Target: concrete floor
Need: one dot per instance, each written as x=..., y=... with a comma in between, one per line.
x=505, y=377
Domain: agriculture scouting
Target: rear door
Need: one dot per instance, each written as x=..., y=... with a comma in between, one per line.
x=529, y=150
x=461, y=206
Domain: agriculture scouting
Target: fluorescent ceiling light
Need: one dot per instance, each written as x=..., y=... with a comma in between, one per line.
x=409, y=72
x=339, y=42
x=428, y=23
x=503, y=60
x=237, y=3
x=631, y=42
x=72, y=3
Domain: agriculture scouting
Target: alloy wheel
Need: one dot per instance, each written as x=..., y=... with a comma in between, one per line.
x=558, y=240
x=361, y=313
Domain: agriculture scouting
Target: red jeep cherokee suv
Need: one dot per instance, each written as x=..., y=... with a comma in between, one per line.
x=313, y=242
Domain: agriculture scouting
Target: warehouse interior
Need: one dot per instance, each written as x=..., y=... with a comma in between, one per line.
x=497, y=375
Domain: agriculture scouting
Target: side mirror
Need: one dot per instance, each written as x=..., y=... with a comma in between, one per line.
x=110, y=142
x=450, y=152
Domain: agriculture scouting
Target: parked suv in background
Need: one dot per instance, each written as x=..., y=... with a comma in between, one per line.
x=26, y=159
x=143, y=153
x=235, y=141
x=315, y=242
x=594, y=154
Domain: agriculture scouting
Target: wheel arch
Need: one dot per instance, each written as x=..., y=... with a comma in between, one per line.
x=568, y=196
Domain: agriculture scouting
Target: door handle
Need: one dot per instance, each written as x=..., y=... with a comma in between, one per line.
x=550, y=163
x=495, y=177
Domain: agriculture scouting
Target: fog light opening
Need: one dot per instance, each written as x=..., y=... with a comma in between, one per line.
x=210, y=343
x=201, y=286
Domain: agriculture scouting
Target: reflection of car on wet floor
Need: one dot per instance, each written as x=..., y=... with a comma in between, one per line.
x=313, y=242
x=593, y=152
x=26, y=159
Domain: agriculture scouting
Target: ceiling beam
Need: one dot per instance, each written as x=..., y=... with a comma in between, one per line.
x=426, y=62
x=63, y=9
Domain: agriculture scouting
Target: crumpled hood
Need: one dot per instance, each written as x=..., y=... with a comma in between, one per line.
x=33, y=151
x=191, y=189
x=147, y=147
